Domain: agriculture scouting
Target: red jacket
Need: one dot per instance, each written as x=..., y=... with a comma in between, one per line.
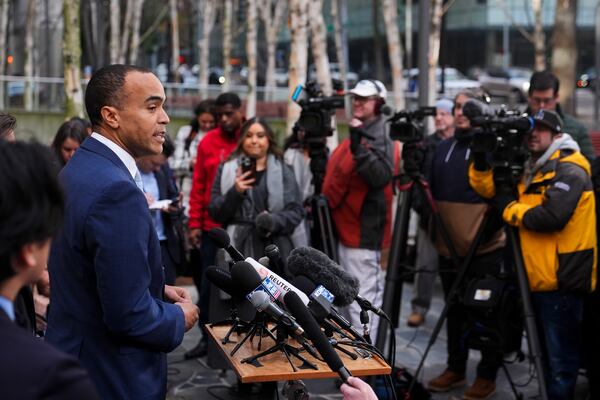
x=213, y=149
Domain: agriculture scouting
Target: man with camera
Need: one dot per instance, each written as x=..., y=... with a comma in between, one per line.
x=464, y=212
x=543, y=94
x=358, y=190
x=554, y=211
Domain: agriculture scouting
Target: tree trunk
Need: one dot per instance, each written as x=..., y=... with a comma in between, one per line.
x=271, y=13
x=72, y=60
x=298, y=56
x=564, y=51
x=29, y=54
x=318, y=36
x=4, y=4
x=377, y=45
x=126, y=31
x=115, y=30
x=408, y=34
x=337, y=28
x=390, y=16
x=539, y=39
x=209, y=12
x=174, y=40
x=434, y=48
x=227, y=20
x=135, y=32
x=252, y=21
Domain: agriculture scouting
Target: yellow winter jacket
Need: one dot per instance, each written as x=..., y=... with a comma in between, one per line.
x=556, y=218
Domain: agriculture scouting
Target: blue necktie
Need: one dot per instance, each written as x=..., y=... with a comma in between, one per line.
x=138, y=180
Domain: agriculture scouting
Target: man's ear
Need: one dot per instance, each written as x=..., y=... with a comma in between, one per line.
x=25, y=258
x=110, y=116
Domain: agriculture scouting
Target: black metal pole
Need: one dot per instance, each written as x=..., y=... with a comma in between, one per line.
x=535, y=348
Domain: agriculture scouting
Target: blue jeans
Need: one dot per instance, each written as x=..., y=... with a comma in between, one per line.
x=558, y=317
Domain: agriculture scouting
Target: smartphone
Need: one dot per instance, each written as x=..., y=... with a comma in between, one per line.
x=248, y=164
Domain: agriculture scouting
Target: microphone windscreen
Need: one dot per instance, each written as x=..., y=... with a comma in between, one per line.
x=245, y=276
x=322, y=270
x=222, y=279
x=220, y=236
x=312, y=330
x=475, y=108
x=386, y=110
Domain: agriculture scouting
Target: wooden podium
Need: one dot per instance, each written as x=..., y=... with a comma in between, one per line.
x=275, y=367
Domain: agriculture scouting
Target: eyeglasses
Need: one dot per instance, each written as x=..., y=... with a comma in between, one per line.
x=360, y=99
x=543, y=100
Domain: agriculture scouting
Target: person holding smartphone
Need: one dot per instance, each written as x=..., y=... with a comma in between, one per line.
x=255, y=194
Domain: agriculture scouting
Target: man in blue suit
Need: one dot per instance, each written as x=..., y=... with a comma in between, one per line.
x=110, y=307
x=31, y=211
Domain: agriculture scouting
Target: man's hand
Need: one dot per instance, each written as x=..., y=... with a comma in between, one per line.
x=176, y=294
x=357, y=389
x=190, y=313
x=504, y=196
x=194, y=237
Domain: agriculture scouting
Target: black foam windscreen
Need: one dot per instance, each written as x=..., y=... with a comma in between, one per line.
x=245, y=276
x=220, y=236
x=322, y=270
x=304, y=284
x=312, y=330
x=223, y=280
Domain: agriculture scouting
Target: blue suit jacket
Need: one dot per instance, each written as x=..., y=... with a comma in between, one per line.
x=108, y=281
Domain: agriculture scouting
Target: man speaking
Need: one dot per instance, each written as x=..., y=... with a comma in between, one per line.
x=110, y=307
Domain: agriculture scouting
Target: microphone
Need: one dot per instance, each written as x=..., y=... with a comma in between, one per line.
x=275, y=261
x=262, y=302
x=318, y=267
x=249, y=281
x=222, y=279
x=321, y=307
x=221, y=237
x=222, y=240
x=315, y=334
x=474, y=108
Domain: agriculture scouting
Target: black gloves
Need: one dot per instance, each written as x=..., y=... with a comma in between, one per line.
x=504, y=196
x=479, y=161
x=265, y=224
x=355, y=135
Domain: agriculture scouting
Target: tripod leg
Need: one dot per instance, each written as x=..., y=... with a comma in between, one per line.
x=346, y=352
x=248, y=335
x=518, y=395
x=296, y=353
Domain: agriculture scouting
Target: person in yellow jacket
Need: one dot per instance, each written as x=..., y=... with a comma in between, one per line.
x=554, y=211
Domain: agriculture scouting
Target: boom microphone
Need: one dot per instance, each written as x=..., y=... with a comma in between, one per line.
x=262, y=302
x=221, y=237
x=315, y=334
x=319, y=268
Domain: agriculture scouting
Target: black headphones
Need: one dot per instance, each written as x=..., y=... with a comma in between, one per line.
x=380, y=100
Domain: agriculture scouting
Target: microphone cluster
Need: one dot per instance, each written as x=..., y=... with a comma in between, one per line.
x=303, y=309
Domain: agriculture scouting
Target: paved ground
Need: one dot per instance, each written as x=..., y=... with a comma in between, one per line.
x=193, y=379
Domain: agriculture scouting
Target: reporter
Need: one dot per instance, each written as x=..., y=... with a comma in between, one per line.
x=357, y=389
x=554, y=211
x=261, y=207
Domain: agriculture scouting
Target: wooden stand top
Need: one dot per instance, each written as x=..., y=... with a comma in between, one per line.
x=275, y=366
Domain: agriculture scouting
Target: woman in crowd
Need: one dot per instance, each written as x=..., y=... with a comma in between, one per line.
x=262, y=205
x=68, y=138
x=186, y=144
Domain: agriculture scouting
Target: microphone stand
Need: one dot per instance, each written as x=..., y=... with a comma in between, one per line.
x=237, y=325
x=281, y=344
x=257, y=326
x=329, y=328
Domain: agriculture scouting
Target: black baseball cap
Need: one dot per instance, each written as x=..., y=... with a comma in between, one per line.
x=550, y=119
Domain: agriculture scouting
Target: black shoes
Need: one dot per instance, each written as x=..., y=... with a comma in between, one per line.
x=199, y=351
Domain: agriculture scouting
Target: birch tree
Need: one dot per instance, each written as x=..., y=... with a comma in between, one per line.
x=318, y=36
x=209, y=9
x=4, y=4
x=390, y=17
x=227, y=20
x=271, y=13
x=135, y=32
x=298, y=16
x=337, y=29
x=252, y=20
x=115, y=30
x=29, y=54
x=564, y=51
x=174, y=40
x=434, y=48
x=126, y=31
x=72, y=59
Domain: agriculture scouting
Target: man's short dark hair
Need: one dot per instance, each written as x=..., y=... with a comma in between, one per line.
x=543, y=80
x=105, y=89
x=228, y=98
x=31, y=200
x=7, y=124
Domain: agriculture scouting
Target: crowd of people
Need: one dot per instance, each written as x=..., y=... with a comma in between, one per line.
x=92, y=268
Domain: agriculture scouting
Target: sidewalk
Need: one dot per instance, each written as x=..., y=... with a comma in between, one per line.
x=193, y=379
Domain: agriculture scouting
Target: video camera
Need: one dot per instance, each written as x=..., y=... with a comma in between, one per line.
x=407, y=126
x=502, y=134
x=317, y=110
